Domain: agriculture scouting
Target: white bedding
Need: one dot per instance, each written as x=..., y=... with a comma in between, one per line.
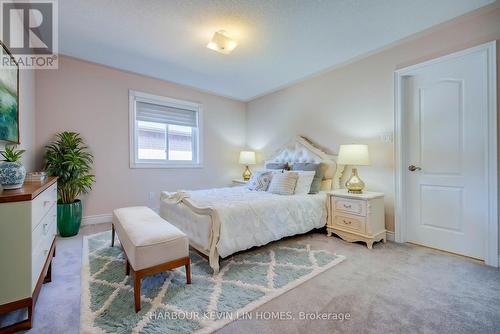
x=246, y=218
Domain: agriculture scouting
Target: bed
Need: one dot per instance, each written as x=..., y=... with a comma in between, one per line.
x=222, y=221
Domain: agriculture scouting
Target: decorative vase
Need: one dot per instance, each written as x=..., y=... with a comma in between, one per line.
x=12, y=175
x=69, y=218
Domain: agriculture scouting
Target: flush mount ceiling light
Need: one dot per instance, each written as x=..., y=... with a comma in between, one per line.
x=221, y=42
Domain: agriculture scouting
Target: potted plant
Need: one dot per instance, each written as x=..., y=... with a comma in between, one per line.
x=12, y=171
x=69, y=159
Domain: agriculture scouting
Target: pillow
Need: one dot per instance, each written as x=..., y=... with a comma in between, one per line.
x=278, y=165
x=304, y=182
x=260, y=181
x=318, y=176
x=283, y=183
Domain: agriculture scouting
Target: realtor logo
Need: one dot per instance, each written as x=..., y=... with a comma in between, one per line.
x=29, y=31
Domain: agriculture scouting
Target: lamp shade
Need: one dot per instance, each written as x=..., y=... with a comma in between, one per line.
x=247, y=158
x=356, y=155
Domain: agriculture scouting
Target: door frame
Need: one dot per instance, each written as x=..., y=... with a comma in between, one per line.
x=400, y=145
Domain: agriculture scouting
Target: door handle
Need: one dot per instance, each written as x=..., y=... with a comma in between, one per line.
x=413, y=168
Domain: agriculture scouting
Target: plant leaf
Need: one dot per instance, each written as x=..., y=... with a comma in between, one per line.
x=69, y=158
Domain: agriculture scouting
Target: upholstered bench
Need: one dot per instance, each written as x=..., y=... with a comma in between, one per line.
x=151, y=245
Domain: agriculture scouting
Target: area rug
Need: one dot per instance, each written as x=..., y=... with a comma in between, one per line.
x=245, y=281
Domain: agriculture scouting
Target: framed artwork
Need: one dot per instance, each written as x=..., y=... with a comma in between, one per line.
x=9, y=99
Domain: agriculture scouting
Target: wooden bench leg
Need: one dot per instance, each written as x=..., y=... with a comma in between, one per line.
x=137, y=291
x=112, y=235
x=188, y=271
x=138, y=275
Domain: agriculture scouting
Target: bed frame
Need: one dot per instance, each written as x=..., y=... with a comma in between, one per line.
x=299, y=150
x=302, y=149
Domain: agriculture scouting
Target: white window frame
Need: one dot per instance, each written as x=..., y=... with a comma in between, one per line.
x=136, y=96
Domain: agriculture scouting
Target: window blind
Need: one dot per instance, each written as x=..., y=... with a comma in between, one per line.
x=150, y=112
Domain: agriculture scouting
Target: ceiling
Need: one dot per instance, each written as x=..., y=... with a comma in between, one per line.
x=280, y=41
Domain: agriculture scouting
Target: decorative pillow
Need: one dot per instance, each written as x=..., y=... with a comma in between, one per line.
x=260, y=181
x=304, y=182
x=278, y=165
x=283, y=183
x=318, y=176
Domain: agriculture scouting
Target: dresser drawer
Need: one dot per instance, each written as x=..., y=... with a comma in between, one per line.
x=42, y=204
x=42, y=238
x=45, y=230
x=353, y=223
x=347, y=205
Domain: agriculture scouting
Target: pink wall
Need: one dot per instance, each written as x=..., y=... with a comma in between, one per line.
x=355, y=102
x=93, y=100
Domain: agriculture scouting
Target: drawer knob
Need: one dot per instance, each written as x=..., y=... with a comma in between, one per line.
x=46, y=202
x=347, y=206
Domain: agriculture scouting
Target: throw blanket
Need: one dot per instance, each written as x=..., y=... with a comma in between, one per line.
x=176, y=197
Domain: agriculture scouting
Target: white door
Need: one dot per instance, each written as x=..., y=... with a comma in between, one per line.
x=446, y=112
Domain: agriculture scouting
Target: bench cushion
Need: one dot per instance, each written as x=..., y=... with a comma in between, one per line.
x=147, y=239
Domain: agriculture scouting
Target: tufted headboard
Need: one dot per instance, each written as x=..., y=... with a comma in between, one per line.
x=303, y=150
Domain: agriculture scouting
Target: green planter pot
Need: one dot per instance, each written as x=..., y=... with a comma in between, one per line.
x=69, y=218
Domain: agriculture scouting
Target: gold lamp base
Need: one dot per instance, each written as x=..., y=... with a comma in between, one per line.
x=247, y=174
x=355, y=185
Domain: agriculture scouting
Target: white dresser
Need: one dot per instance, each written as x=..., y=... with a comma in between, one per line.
x=356, y=217
x=28, y=225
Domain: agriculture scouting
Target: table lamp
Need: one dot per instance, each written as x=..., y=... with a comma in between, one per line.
x=247, y=158
x=354, y=155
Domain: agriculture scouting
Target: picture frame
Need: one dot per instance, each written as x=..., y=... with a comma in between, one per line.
x=9, y=99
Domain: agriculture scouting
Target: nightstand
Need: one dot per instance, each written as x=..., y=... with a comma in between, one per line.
x=356, y=217
x=239, y=182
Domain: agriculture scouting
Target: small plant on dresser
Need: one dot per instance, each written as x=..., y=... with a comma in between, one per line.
x=12, y=171
x=69, y=158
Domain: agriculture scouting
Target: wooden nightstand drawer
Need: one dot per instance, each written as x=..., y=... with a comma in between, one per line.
x=356, y=217
x=350, y=222
x=348, y=205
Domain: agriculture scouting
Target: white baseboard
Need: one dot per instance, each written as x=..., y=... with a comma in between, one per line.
x=97, y=219
x=391, y=236
x=104, y=218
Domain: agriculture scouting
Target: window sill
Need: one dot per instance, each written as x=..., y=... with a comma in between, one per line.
x=163, y=166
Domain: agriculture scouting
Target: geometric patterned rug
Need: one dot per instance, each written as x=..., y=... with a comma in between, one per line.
x=245, y=281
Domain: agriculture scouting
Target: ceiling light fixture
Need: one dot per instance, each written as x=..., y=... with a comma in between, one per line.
x=221, y=42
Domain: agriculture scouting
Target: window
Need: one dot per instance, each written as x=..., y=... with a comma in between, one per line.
x=164, y=132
